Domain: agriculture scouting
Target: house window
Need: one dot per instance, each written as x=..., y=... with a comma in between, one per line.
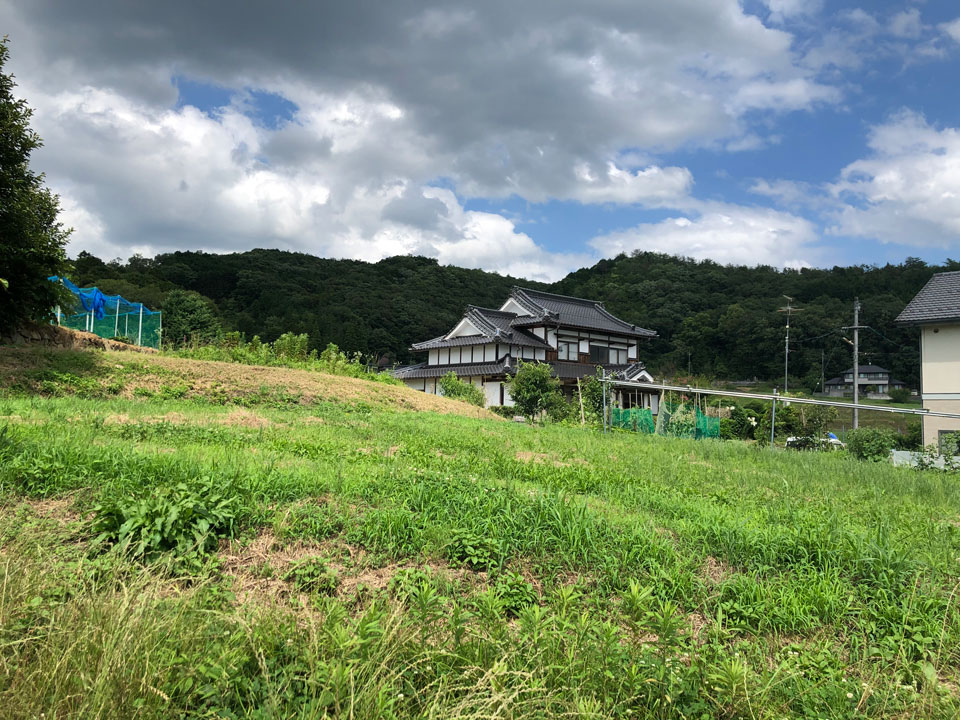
x=567, y=350
x=599, y=354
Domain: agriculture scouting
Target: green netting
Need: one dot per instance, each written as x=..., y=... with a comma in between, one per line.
x=636, y=419
x=675, y=419
x=685, y=420
x=126, y=325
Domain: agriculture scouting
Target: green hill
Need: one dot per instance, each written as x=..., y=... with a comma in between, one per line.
x=713, y=319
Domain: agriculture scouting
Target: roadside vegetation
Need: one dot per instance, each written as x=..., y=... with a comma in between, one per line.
x=195, y=556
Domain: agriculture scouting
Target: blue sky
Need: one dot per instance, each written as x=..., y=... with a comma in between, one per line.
x=530, y=139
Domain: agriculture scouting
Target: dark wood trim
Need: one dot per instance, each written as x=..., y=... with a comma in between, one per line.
x=551, y=356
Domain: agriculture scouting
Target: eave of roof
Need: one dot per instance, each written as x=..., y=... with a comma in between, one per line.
x=423, y=370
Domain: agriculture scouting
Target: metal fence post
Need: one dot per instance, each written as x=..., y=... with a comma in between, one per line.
x=773, y=418
x=603, y=386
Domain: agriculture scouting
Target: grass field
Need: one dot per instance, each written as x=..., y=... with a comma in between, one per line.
x=237, y=548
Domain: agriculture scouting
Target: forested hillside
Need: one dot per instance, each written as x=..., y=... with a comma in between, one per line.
x=713, y=319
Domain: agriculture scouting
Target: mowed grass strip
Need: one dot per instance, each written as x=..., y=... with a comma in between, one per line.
x=174, y=556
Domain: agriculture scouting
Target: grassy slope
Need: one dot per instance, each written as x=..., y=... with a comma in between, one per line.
x=129, y=375
x=620, y=576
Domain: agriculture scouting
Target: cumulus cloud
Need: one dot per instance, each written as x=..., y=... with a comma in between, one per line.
x=908, y=189
x=538, y=101
x=723, y=232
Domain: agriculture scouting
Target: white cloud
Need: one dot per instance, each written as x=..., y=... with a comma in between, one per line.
x=906, y=24
x=952, y=29
x=722, y=232
x=783, y=10
x=535, y=100
x=908, y=190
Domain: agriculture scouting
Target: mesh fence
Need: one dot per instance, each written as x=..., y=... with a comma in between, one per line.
x=636, y=419
x=124, y=325
x=674, y=420
x=110, y=316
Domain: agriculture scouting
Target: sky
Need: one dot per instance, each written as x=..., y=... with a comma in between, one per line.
x=529, y=138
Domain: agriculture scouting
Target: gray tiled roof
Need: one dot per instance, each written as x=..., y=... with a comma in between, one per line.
x=494, y=326
x=939, y=300
x=572, y=312
x=430, y=371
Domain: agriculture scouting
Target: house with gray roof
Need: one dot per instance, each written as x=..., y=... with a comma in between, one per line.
x=936, y=310
x=573, y=335
x=873, y=381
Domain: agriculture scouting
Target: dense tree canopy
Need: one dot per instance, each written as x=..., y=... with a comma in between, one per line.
x=31, y=240
x=712, y=319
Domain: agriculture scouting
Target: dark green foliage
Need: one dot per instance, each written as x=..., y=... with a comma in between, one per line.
x=534, y=390
x=457, y=389
x=870, y=443
x=913, y=438
x=186, y=518
x=591, y=388
x=514, y=593
x=311, y=575
x=188, y=317
x=470, y=549
x=900, y=395
x=32, y=242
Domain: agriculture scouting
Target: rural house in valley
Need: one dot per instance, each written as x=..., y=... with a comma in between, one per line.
x=936, y=309
x=573, y=335
x=873, y=381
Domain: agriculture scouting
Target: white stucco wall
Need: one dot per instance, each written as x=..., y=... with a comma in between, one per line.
x=940, y=354
x=940, y=382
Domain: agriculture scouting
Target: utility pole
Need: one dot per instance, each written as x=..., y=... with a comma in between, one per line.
x=786, y=343
x=823, y=380
x=856, y=327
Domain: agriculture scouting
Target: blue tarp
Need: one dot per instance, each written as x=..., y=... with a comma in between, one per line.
x=92, y=300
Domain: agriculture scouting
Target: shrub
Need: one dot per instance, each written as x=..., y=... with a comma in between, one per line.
x=514, y=592
x=456, y=389
x=470, y=549
x=870, y=443
x=534, y=389
x=912, y=439
x=900, y=395
x=186, y=519
x=188, y=316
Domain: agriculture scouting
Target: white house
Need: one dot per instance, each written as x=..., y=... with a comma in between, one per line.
x=573, y=335
x=936, y=309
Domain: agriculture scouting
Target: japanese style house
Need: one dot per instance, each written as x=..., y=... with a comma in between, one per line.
x=574, y=336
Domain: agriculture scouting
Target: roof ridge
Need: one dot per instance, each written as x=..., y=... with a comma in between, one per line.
x=558, y=295
x=492, y=310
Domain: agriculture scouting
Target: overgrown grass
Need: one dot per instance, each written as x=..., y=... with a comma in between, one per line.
x=289, y=350
x=415, y=565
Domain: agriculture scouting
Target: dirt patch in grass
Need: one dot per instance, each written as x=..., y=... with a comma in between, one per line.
x=547, y=458
x=258, y=568
x=174, y=418
x=59, y=509
x=715, y=571
x=244, y=418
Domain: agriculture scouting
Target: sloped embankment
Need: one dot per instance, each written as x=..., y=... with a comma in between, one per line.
x=86, y=373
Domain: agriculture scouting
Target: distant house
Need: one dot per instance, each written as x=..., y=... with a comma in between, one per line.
x=873, y=381
x=936, y=309
x=573, y=335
